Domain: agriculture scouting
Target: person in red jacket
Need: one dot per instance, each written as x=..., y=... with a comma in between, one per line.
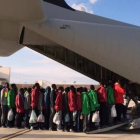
x=72, y=105
x=35, y=101
x=58, y=106
x=102, y=97
x=19, y=108
x=118, y=94
x=79, y=108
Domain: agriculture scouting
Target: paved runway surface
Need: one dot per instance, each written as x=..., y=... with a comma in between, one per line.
x=43, y=135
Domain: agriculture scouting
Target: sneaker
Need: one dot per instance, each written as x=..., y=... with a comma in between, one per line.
x=31, y=128
x=59, y=130
x=71, y=130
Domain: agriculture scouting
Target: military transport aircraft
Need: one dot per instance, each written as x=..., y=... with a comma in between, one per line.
x=97, y=47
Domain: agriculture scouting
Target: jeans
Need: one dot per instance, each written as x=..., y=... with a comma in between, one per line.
x=4, y=109
x=19, y=119
x=78, y=120
x=52, y=113
x=90, y=123
x=85, y=122
x=47, y=116
x=103, y=114
x=119, y=110
x=65, y=124
x=27, y=111
x=59, y=127
x=109, y=118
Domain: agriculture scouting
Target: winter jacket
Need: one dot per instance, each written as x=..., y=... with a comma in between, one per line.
x=19, y=104
x=11, y=98
x=53, y=98
x=78, y=101
x=27, y=103
x=118, y=94
x=47, y=98
x=110, y=95
x=72, y=101
x=102, y=94
x=93, y=100
x=34, y=97
x=85, y=103
x=58, y=101
x=65, y=102
x=4, y=94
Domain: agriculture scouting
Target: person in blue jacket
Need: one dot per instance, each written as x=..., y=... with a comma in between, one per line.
x=47, y=106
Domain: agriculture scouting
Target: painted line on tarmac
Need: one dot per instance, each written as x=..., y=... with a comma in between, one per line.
x=15, y=134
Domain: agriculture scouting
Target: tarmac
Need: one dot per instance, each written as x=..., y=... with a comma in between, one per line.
x=20, y=134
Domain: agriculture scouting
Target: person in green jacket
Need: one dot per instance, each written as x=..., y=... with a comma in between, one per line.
x=11, y=103
x=94, y=105
x=85, y=109
x=111, y=101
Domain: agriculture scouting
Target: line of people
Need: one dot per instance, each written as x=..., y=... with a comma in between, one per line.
x=69, y=101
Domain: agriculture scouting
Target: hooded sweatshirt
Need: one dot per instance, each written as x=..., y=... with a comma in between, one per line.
x=34, y=97
x=93, y=100
x=72, y=100
x=20, y=103
x=85, y=103
x=58, y=101
x=118, y=93
x=102, y=94
x=11, y=98
x=4, y=94
x=110, y=95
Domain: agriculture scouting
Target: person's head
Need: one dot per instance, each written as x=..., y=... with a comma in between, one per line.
x=21, y=91
x=72, y=89
x=84, y=89
x=13, y=86
x=53, y=86
x=48, y=89
x=29, y=90
x=102, y=83
x=33, y=86
x=37, y=85
x=130, y=82
x=92, y=87
x=78, y=89
x=110, y=83
x=81, y=89
x=60, y=89
x=7, y=85
x=25, y=89
x=67, y=89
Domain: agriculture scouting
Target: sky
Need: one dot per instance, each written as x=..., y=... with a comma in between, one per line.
x=27, y=66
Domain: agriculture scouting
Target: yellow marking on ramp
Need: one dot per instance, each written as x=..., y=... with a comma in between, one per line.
x=15, y=135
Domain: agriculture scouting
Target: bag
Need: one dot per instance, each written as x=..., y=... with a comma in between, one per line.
x=33, y=117
x=10, y=116
x=56, y=118
x=96, y=117
x=67, y=118
x=113, y=111
x=41, y=118
x=74, y=115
